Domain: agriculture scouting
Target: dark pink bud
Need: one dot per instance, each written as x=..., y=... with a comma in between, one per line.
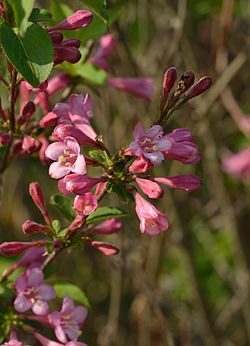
x=56, y=37
x=78, y=183
x=15, y=248
x=106, y=248
x=202, y=85
x=70, y=54
x=185, y=152
x=30, y=145
x=43, y=148
x=36, y=194
x=33, y=227
x=5, y=138
x=140, y=165
x=77, y=20
x=28, y=110
x=187, y=182
x=72, y=42
x=17, y=147
x=180, y=135
x=108, y=227
x=150, y=188
x=168, y=81
x=62, y=131
x=49, y=119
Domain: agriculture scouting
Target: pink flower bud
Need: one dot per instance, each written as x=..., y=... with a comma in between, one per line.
x=63, y=131
x=68, y=53
x=71, y=42
x=77, y=20
x=77, y=223
x=140, y=87
x=180, y=135
x=17, y=147
x=5, y=138
x=185, y=152
x=50, y=119
x=140, y=165
x=169, y=79
x=202, y=85
x=105, y=49
x=150, y=188
x=60, y=81
x=107, y=227
x=28, y=110
x=78, y=184
x=106, y=248
x=15, y=248
x=30, y=227
x=56, y=37
x=36, y=194
x=30, y=145
x=85, y=205
x=44, y=145
x=187, y=182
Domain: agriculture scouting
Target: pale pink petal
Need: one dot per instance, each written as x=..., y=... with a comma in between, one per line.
x=40, y=307
x=57, y=170
x=80, y=165
x=21, y=303
x=80, y=314
x=46, y=292
x=35, y=277
x=59, y=332
x=72, y=144
x=55, y=150
x=67, y=306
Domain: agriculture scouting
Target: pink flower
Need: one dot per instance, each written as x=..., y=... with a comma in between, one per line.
x=78, y=184
x=140, y=87
x=180, y=135
x=150, y=144
x=13, y=340
x=150, y=188
x=106, y=248
x=32, y=255
x=105, y=49
x=152, y=221
x=68, y=157
x=140, y=165
x=187, y=182
x=30, y=145
x=107, y=227
x=36, y=194
x=32, y=292
x=185, y=152
x=86, y=204
x=77, y=20
x=238, y=165
x=17, y=247
x=30, y=227
x=68, y=321
x=47, y=342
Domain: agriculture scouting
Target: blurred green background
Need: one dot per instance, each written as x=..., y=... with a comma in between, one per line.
x=190, y=285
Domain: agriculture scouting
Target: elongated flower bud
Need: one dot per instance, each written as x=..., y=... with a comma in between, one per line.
x=77, y=20
x=169, y=79
x=36, y=194
x=16, y=247
x=202, y=85
x=30, y=227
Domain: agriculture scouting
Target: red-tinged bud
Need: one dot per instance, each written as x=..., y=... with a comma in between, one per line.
x=56, y=37
x=43, y=148
x=77, y=20
x=62, y=131
x=106, y=248
x=180, y=135
x=77, y=223
x=108, y=227
x=16, y=247
x=36, y=194
x=33, y=227
x=188, y=79
x=169, y=79
x=68, y=53
x=150, y=188
x=202, y=85
x=187, y=182
x=30, y=145
x=50, y=119
x=5, y=138
x=28, y=110
x=140, y=165
x=71, y=42
x=17, y=147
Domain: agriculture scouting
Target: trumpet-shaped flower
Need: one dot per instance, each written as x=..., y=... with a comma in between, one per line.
x=67, y=156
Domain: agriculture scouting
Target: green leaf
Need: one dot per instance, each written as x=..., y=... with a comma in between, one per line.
x=122, y=193
x=104, y=213
x=32, y=55
x=63, y=205
x=40, y=15
x=97, y=155
x=5, y=292
x=22, y=10
x=98, y=6
x=92, y=73
x=56, y=224
x=66, y=289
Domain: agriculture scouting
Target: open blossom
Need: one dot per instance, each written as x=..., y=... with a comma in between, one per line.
x=86, y=204
x=238, y=165
x=150, y=144
x=152, y=221
x=141, y=87
x=13, y=340
x=68, y=321
x=32, y=292
x=67, y=156
x=48, y=342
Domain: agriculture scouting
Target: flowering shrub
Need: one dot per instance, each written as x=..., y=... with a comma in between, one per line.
x=66, y=141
